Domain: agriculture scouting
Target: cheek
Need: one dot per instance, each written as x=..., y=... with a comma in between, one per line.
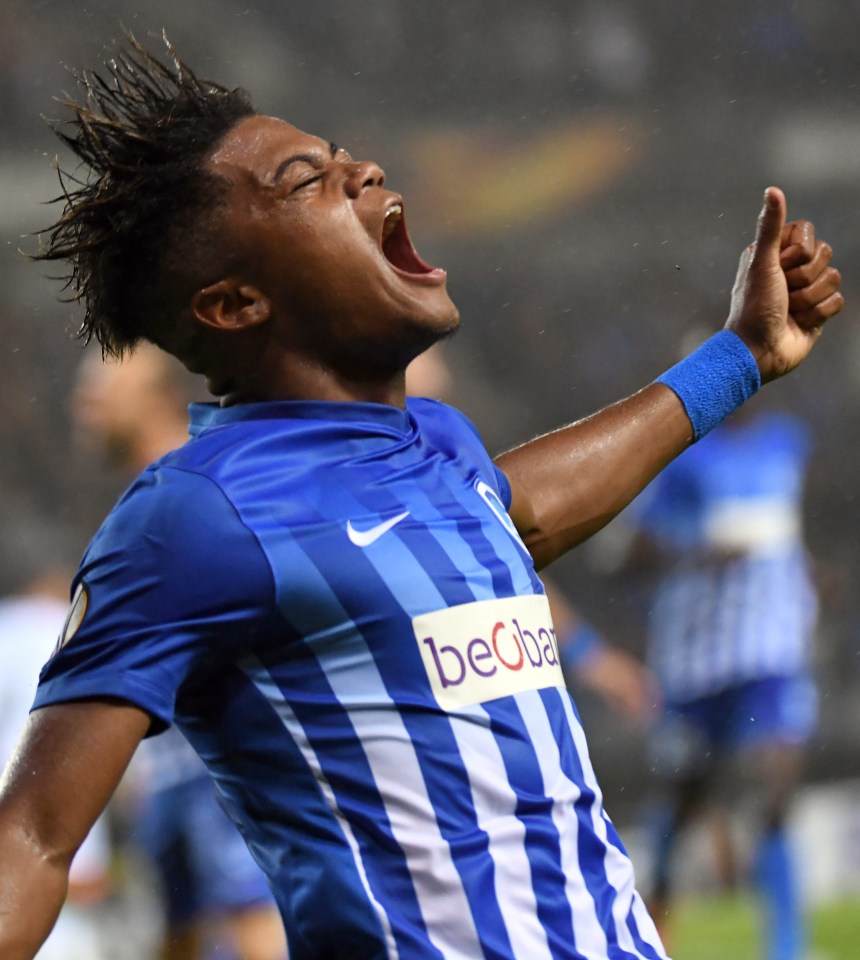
x=328, y=270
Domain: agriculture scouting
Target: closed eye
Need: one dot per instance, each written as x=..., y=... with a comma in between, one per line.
x=306, y=183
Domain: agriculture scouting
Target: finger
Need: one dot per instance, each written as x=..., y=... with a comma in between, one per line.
x=799, y=233
x=770, y=224
x=801, y=276
x=805, y=298
x=815, y=318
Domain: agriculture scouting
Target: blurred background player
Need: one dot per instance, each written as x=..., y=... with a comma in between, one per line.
x=217, y=901
x=30, y=623
x=729, y=639
x=586, y=657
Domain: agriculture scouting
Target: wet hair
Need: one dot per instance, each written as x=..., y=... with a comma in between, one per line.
x=137, y=227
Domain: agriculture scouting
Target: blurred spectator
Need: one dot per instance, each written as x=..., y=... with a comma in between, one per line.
x=217, y=901
x=30, y=623
x=729, y=639
x=588, y=658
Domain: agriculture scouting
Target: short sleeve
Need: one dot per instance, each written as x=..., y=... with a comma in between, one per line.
x=494, y=475
x=451, y=426
x=503, y=486
x=173, y=582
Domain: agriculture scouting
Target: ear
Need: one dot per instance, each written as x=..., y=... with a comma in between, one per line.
x=230, y=305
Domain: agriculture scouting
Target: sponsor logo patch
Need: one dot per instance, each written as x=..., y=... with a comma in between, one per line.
x=481, y=651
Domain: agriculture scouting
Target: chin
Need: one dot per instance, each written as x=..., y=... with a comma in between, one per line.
x=452, y=327
x=430, y=330
x=445, y=320
x=450, y=324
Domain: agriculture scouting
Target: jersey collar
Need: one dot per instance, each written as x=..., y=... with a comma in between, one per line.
x=205, y=416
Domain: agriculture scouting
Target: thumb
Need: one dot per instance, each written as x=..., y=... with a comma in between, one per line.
x=771, y=220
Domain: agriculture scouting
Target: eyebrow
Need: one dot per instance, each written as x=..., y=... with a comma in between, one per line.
x=311, y=158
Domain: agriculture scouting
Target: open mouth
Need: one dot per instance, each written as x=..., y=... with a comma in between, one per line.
x=397, y=247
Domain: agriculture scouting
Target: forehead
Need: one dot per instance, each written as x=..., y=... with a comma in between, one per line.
x=259, y=144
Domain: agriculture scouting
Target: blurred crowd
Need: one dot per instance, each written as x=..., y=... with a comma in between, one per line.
x=587, y=174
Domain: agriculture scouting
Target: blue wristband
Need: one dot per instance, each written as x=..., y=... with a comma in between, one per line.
x=714, y=380
x=577, y=646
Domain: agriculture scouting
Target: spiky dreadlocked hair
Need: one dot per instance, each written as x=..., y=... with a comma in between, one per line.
x=133, y=208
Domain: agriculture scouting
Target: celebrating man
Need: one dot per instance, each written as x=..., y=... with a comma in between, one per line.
x=330, y=590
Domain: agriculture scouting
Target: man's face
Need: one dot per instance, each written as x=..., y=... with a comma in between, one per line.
x=326, y=243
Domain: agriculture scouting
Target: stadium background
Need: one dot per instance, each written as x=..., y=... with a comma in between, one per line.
x=588, y=174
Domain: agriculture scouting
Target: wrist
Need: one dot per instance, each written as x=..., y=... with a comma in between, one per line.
x=714, y=380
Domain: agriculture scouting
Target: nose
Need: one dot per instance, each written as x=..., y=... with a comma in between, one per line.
x=362, y=174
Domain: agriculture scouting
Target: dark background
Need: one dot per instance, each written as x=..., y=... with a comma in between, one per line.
x=588, y=173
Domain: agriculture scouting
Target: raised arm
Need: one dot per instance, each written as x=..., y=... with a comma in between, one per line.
x=68, y=763
x=568, y=484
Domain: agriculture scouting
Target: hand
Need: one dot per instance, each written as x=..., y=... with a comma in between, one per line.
x=785, y=290
x=626, y=684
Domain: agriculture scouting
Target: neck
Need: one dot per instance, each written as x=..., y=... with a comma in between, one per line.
x=306, y=380
x=261, y=366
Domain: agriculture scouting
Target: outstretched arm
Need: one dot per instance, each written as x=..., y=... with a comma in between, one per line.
x=568, y=484
x=67, y=765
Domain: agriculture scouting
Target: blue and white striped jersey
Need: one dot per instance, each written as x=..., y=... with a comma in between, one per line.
x=737, y=602
x=332, y=603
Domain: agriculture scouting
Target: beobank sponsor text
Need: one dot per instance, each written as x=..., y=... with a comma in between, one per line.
x=488, y=649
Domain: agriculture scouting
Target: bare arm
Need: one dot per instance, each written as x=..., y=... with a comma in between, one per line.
x=68, y=763
x=568, y=484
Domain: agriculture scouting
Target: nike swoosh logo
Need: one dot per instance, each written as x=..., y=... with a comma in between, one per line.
x=364, y=538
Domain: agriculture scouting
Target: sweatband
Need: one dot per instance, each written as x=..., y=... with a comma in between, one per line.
x=714, y=380
x=578, y=645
